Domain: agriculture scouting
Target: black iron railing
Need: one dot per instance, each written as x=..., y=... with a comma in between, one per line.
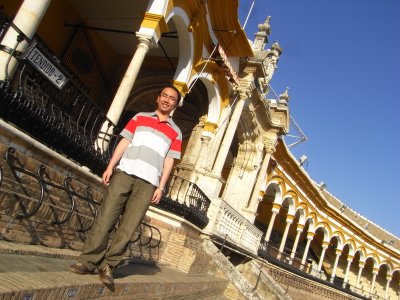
x=186, y=199
x=41, y=199
x=45, y=100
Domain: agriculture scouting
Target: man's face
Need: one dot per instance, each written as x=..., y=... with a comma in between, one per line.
x=167, y=101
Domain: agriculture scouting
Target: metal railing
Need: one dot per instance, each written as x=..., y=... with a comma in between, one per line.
x=186, y=199
x=37, y=197
x=282, y=259
x=45, y=100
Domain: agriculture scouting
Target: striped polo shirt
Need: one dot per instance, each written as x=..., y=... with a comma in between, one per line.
x=151, y=141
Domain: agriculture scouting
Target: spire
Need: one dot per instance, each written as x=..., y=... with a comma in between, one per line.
x=262, y=35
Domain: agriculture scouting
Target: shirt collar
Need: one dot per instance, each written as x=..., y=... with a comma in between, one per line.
x=169, y=121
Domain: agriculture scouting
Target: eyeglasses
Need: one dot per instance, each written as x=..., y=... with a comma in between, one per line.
x=166, y=96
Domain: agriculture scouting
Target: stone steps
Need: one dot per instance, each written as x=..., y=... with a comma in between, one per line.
x=35, y=272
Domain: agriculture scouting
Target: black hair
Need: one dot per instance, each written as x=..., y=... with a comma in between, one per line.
x=178, y=99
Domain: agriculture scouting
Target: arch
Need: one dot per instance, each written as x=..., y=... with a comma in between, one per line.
x=340, y=239
x=214, y=104
x=352, y=246
x=326, y=230
x=274, y=190
x=291, y=206
x=396, y=270
x=374, y=259
x=363, y=254
x=186, y=44
x=310, y=220
x=302, y=211
x=389, y=266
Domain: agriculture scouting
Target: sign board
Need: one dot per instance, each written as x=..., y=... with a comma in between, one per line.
x=44, y=65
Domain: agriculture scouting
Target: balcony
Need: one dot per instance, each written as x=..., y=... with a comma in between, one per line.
x=231, y=227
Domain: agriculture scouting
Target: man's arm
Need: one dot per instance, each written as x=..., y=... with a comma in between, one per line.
x=168, y=165
x=118, y=152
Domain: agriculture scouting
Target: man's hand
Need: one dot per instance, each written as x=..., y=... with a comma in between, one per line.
x=107, y=175
x=156, y=196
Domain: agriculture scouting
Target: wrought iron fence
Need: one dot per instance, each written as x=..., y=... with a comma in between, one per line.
x=44, y=99
x=186, y=199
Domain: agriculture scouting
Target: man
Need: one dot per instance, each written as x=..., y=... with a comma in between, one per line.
x=150, y=143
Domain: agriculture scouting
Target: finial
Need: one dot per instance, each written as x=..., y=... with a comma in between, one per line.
x=262, y=35
x=276, y=47
x=284, y=97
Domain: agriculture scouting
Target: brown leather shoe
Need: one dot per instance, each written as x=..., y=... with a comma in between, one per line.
x=105, y=275
x=80, y=268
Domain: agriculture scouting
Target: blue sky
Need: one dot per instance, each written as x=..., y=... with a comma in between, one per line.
x=341, y=62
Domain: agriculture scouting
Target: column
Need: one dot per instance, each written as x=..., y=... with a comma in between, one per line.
x=230, y=132
x=124, y=89
x=28, y=18
x=123, y=92
x=269, y=146
x=346, y=274
x=275, y=210
x=289, y=221
x=201, y=157
x=299, y=230
x=374, y=273
x=361, y=267
x=310, y=236
x=338, y=252
x=321, y=259
x=388, y=279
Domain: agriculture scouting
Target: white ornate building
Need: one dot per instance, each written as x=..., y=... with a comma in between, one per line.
x=65, y=62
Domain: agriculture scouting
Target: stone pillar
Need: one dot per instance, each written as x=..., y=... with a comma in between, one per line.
x=388, y=279
x=124, y=89
x=374, y=273
x=361, y=267
x=201, y=157
x=28, y=18
x=338, y=252
x=346, y=274
x=275, y=210
x=321, y=259
x=299, y=230
x=269, y=146
x=123, y=92
x=310, y=236
x=230, y=132
x=289, y=221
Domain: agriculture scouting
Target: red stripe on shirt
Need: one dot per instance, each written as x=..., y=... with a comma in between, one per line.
x=176, y=145
x=154, y=123
x=131, y=126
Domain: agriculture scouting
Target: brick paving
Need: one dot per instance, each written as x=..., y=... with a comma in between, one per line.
x=36, y=272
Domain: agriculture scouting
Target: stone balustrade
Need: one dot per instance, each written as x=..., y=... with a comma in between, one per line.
x=233, y=227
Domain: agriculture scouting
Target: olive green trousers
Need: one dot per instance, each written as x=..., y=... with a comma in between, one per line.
x=127, y=195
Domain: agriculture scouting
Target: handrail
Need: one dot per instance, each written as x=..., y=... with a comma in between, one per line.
x=140, y=232
x=65, y=118
x=43, y=176
x=86, y=197
x=16, y=166
x=184, y=198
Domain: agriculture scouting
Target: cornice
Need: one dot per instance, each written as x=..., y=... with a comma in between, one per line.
x=290, y=165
